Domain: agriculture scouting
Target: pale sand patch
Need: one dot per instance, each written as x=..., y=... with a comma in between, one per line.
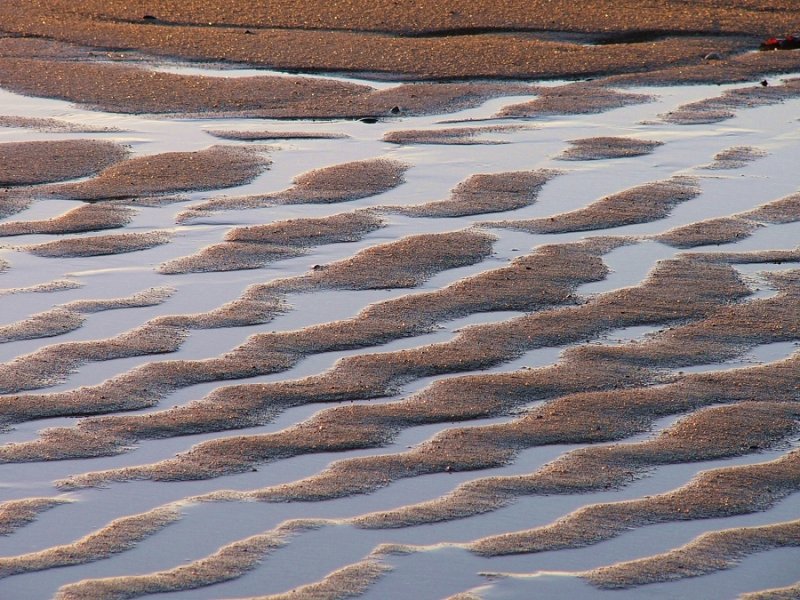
x=253, y=136
x=777, y=257
x=149, y=297
x=736, y=157
x=791, y=592
x=784, y=210
x=641, y=204
x=170, y=172
x=237, y=313
x=99, y=245
x=348, y=582
x=464, y=596
x=404, y=263
x=229, y=256
x=18, y=513
x=14, y=200
x=47, y=125
x=723, y=107
x=51, y=364
x=56, y=285
x=328, y=185
x=118, y=536
x=71, y=316
x=56, y=321
x=707, y=553
x=608, y=147
x=255, y=246
x=484, y=193
x=28, y=163
x=725, y=230
x=229, y=562
x=451, y=135
x=573, y=99
x=87, y=217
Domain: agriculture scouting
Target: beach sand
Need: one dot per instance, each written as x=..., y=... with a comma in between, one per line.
x=399, y=300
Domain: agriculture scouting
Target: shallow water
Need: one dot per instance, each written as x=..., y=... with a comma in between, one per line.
x=434, y=171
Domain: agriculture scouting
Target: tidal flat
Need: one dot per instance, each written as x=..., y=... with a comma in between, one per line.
x=378, y=300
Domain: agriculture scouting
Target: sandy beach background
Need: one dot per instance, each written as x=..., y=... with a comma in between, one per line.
x=399, y=300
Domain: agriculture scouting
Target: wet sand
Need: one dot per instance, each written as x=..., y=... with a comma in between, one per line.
x=44, y=162
x=484, y=193
x=422, y=282
x=733, y=228
x=451, y=135
x=83, y=218
x=641, y=204
x=331, y=185
x=216, y=167
x=608, y=147
x=254, y=247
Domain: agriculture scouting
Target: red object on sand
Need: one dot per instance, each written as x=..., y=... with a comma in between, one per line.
x=790, y=42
